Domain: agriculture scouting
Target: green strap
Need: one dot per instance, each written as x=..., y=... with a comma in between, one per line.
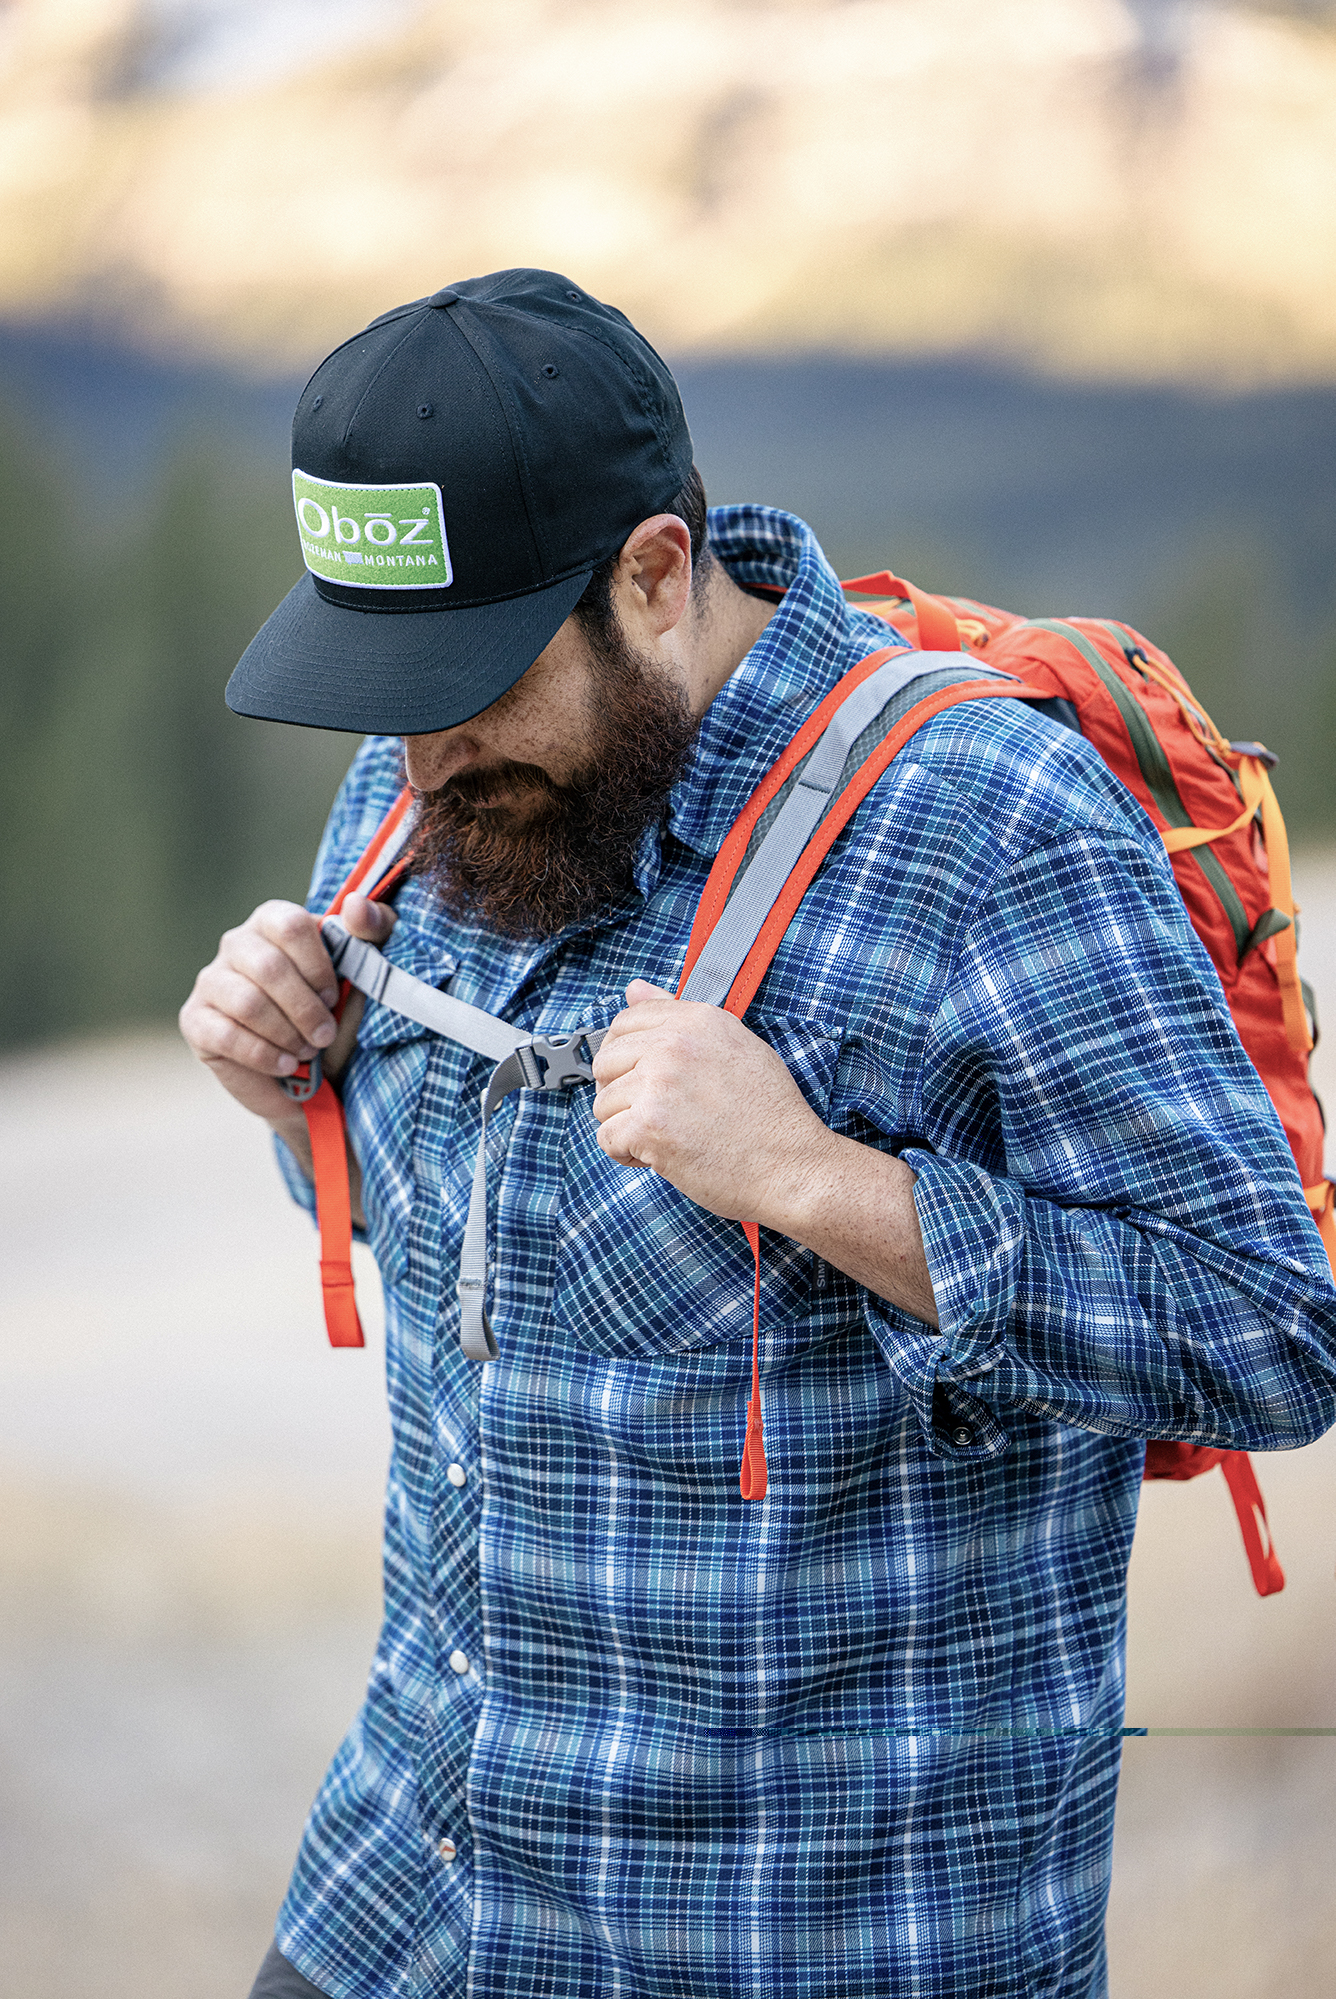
x=1159, y=780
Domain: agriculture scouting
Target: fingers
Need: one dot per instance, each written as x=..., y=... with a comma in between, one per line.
x=281, y=957
x=291, y=930
x=371, y=921
x=264, y=1002
x=218, y=1037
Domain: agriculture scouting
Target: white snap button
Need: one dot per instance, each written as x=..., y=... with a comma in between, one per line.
x=459, y=1662
x=456, y=1474
x=446, y=1848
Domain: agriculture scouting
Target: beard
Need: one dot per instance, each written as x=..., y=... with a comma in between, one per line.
x=543, y=856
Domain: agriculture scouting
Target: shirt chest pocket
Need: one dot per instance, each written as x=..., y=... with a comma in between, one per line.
x=640, y=1269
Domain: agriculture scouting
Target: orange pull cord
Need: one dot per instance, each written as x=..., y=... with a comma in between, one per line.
x=754, y=1477
x=937, y=628
x=1267, y=1574
x=324, y=1122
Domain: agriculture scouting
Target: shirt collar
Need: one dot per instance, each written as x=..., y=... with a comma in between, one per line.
x=813, y=638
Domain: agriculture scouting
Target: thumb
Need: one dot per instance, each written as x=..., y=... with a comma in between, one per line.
x=371, y=921
x=640, y=990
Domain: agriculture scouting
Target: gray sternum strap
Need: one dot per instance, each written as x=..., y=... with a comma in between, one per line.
x=523, y=1062
x=764, y=874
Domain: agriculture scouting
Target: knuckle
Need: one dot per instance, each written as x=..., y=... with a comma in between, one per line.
x=292, y=923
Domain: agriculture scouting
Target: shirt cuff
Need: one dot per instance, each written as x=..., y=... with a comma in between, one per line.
x=973, y=1228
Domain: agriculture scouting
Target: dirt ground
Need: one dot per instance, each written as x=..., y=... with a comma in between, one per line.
x=188, y=1577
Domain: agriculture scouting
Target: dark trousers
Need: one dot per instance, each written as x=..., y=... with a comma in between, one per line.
x=280, y=1980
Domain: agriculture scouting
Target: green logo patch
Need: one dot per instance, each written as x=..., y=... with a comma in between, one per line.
x=373, y=537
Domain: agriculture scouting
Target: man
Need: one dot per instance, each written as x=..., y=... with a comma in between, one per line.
x=1023, y=1203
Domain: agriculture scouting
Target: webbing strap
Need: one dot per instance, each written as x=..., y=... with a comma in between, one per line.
x=1292, y=1007
x=1267, y=1574
x=523, y=1062
x=377, y=869
x=938, y=630
x=363, y=966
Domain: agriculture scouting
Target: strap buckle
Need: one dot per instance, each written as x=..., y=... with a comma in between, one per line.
x=301, y=1089
x=554, y=1061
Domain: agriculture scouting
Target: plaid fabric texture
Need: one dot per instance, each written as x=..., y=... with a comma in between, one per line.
x=858, y=1741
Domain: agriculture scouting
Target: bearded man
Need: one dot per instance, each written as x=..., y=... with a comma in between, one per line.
x=1022, y=1200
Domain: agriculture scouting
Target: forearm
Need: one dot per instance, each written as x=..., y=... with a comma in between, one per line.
x=854, y=1207
x=1119, y=1322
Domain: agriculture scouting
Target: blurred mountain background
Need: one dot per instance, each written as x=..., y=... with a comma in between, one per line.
x=1034, y=301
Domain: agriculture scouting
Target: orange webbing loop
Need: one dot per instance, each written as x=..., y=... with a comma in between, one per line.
x=324, y=1122
x=1286, y=942
x=1322, y=1206
x=1178, y=839
x=329, y=1159
x=937, y=628
x=1267, y=1574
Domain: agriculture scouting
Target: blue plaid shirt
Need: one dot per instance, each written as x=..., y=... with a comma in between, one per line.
x=627, y=1735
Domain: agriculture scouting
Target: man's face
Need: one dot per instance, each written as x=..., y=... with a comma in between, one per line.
x=531, y=812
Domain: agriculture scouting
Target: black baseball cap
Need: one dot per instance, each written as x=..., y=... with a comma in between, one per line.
x=460, y=468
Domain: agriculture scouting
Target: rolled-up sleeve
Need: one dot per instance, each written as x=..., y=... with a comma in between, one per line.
x=1139, y=1260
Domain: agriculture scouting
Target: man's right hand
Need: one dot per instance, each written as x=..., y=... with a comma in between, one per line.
x=263, y=1005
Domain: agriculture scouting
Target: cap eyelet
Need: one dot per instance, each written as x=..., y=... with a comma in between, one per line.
x=316, y=402
x=549, y=370
x=426, y=409
x=577, y=296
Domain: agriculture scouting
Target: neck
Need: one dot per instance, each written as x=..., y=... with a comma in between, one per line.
x=728, y=623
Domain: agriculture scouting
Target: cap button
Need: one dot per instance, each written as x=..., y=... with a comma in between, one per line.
x=444, y=297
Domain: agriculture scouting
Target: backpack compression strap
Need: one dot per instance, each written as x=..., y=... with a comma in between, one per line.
x=380, y=868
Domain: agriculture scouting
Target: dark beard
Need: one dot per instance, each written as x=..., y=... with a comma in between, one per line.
x=553, y=855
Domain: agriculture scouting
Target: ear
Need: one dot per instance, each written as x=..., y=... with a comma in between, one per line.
x=653, y=583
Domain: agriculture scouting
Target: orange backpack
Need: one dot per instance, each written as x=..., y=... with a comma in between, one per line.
x=1210, y=799
x=1213, y=805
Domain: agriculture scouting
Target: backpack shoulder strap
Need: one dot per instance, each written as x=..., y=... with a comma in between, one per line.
x=763, y=870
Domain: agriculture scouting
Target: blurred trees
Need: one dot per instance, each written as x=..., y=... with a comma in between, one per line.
x=138, y=816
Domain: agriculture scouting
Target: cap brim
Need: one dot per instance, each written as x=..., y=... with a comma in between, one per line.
x=393, y=673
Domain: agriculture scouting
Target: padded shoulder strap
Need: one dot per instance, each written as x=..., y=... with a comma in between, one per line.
x=754, y=890
x=756, y=886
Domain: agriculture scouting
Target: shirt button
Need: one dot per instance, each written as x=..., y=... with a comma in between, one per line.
x=962, y=1434
x=456, y=1474
x=446, y=1848
x=459, y=1662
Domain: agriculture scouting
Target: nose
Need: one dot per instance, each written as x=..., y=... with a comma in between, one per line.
x=430, y=761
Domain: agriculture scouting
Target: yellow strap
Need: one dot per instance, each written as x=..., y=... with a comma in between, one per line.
x=1251, y=779
x=1320, y=1201
x=1282, y=898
